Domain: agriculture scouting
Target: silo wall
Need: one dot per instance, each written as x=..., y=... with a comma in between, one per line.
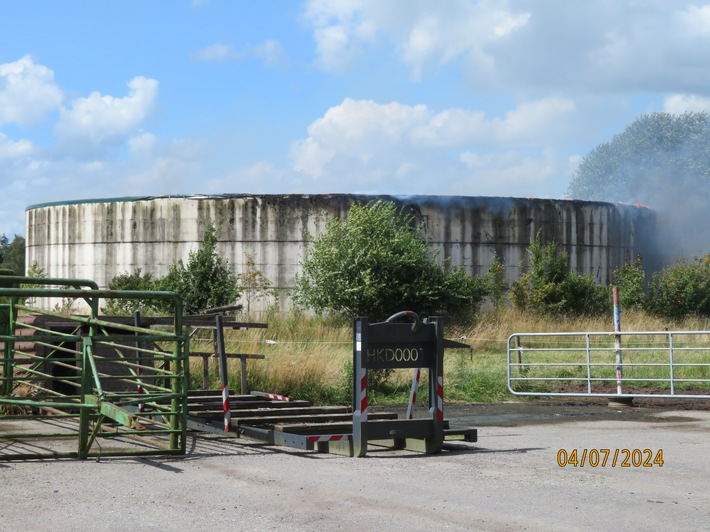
x=100, y=239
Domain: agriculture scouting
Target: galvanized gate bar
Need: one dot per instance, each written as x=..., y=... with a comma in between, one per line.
x=657, y=364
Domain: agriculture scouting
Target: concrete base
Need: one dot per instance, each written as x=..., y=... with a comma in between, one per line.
x=615, y=402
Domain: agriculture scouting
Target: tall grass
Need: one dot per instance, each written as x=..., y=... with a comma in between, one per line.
x=310, y=358
x=305, y=358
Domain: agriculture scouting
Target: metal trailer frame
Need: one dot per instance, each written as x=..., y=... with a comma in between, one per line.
x=417, y=345
x=85, y=402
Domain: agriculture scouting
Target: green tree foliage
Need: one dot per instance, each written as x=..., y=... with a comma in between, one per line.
x=12, y=254
x=376, y=263
x=131, y=281
x=630, y=279
x=495, y=282
x=681, y=290
x=654, y=153
x=37, y=272
x=206, y=281
x=549, y=287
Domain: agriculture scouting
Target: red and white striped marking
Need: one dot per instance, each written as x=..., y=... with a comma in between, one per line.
x=227, y=410
x=272, y=396
x=440, y=398
x=362, y=398
x=141, y=391
x=413, y=392
x=326, y=437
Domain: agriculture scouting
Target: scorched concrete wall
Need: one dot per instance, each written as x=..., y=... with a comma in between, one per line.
x=99, y=239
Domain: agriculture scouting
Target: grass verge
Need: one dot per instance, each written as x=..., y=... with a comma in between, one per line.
x=311, y=358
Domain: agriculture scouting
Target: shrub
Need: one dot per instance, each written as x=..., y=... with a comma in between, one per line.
x=375, y=263
x=131, y=281
x=254, y=285
x=549, y=287
x=681, y=290
x=630, y=280
x=495, y=283
x=207, y=280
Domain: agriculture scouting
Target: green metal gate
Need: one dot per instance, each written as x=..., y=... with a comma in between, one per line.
x=76, y=385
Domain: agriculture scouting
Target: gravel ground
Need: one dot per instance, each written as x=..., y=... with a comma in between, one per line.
x=509, y=480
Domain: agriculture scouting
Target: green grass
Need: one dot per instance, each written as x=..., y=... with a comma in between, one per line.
x=311, y=358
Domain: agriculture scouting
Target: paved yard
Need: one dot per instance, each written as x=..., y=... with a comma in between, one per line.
x=510, y=480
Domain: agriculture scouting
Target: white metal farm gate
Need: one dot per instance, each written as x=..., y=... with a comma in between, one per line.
x=620, y=364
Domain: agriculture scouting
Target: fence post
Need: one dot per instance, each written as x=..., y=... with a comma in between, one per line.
x=436, y=388
x=223, y=372
x=139, y=359
x=360, y=396
x=617, y=343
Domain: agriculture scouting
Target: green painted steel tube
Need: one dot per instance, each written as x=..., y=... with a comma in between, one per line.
x=93, y=402
x=15, y=280
x=5, y=316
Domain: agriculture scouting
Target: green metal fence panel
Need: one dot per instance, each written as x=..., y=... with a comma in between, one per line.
x=75, y=377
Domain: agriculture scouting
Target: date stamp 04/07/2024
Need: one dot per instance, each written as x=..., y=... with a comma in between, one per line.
x=610, y=458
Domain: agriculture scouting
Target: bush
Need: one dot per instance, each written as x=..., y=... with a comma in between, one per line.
x=495, y=283
x=681, y=290
x=630, y=280
x=549, y=287
x=131, y=281
x=376, y=263
x=207, y=281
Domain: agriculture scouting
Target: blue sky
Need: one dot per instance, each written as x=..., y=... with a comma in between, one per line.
x=464, y=97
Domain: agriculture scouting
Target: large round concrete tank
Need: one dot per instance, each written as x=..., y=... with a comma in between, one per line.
x=99, y=239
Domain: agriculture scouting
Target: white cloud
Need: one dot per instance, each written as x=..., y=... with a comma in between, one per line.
x=270, y=52
x=511, y=173
x=526, y=46
x=310, y=158
x=386, y=146
x=258, y=177
x=332, y=47
x=27, y=92
x=142, y=145
x=422, y=32
x=10, y=149
x=364, y=126
x=681, y=103
x=215, y=53
x=695, y=19
x=164, y=169
x=97, y=119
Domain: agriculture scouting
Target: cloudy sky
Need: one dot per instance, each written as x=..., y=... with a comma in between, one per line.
x=463, y=97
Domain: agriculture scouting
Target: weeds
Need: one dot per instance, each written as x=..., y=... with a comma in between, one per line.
x=311, y=357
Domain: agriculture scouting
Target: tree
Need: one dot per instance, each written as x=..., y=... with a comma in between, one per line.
x=375, y=263
x=207, y=280
x=654, y=153
x=12, y=254
x=663, y=161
